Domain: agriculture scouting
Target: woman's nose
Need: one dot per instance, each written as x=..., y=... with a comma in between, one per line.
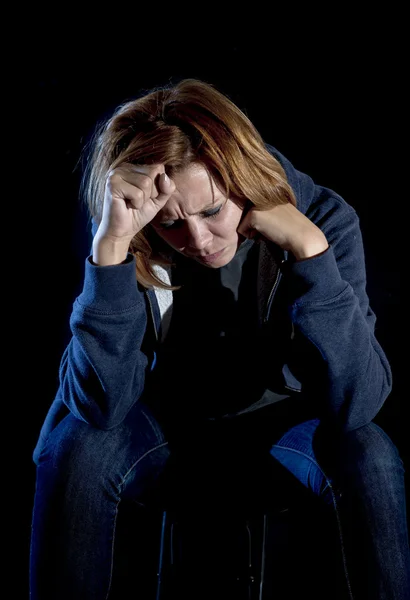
x=197, y=235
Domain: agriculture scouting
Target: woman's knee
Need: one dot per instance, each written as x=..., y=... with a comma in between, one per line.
x=366, y=455
x=371, y=444
x=76, y=449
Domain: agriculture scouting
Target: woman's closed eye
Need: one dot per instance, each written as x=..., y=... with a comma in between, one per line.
x=209, y=214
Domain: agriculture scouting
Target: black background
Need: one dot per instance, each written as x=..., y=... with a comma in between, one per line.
x=328, y=101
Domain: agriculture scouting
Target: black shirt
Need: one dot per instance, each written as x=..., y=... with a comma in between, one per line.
x=209, y=361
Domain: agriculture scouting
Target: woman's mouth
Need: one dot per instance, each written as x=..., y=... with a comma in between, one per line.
x=209, y=258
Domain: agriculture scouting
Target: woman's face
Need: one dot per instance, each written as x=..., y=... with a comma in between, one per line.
x=199, y=221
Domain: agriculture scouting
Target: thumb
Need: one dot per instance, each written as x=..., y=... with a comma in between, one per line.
x=166, y=187
x=246, y=230
x=244, y=227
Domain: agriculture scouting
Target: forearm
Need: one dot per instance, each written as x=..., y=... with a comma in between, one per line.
x=102, y=373
x=108, y=252
x=339, y=326
x=100, y=382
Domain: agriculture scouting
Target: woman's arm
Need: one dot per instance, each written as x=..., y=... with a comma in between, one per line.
x=329, y=307
x=102, y=371
x=342, y=363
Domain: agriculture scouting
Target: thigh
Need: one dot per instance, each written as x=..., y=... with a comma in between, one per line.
x=84, y=456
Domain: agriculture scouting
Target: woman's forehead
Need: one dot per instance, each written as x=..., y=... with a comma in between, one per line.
x=195, y=192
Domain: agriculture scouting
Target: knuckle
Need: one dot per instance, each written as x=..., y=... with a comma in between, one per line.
x=113, y=173
x=112, y=180
x=139, y=194
x=145, y=182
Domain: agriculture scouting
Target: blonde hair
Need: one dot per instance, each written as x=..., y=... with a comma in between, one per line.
x=190, y=122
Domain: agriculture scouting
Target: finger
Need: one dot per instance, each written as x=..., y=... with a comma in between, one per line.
x=143, y=181
x=245, y=228
x=254, y=235
x=153, y=180
x=166, y=187
x=133, y=196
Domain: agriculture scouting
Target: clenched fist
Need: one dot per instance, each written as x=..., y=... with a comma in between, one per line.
x=134, y=194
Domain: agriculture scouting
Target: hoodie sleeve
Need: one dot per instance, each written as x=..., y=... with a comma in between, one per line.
x=329, y=307
x=102, y=371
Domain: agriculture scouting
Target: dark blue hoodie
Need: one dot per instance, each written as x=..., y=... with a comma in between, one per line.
x=317, y=308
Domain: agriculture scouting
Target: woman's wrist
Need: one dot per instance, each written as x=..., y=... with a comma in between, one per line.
x=311, y=248
x=107, y=252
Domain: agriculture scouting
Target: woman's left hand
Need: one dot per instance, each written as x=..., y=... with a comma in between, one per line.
x=286, y=226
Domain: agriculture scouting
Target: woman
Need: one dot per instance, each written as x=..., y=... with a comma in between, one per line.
x=222, y=282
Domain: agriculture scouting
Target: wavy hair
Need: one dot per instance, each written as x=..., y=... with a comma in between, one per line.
x=178, y=125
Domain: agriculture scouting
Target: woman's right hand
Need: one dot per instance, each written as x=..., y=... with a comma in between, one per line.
x=134, y=194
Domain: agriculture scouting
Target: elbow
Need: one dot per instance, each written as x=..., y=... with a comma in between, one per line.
x=102, y=408
x=103, y=413
x=106, y=420
x=368, y=405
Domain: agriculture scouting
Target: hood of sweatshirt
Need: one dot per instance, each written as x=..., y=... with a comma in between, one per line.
x=302, y=185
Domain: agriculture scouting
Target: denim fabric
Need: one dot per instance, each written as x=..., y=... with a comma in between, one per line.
x=83, y=473
x=364, y=482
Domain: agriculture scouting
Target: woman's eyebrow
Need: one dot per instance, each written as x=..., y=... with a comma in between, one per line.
x=213, y=205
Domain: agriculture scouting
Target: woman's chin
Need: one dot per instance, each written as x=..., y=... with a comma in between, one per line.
x=215, y=261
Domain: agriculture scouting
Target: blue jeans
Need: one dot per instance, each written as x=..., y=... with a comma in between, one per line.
x=84, y=473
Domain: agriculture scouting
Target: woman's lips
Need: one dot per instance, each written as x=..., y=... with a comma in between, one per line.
x=210, y=257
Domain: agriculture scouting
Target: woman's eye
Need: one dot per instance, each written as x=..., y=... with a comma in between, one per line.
x=215, y=212
x=177, y=224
